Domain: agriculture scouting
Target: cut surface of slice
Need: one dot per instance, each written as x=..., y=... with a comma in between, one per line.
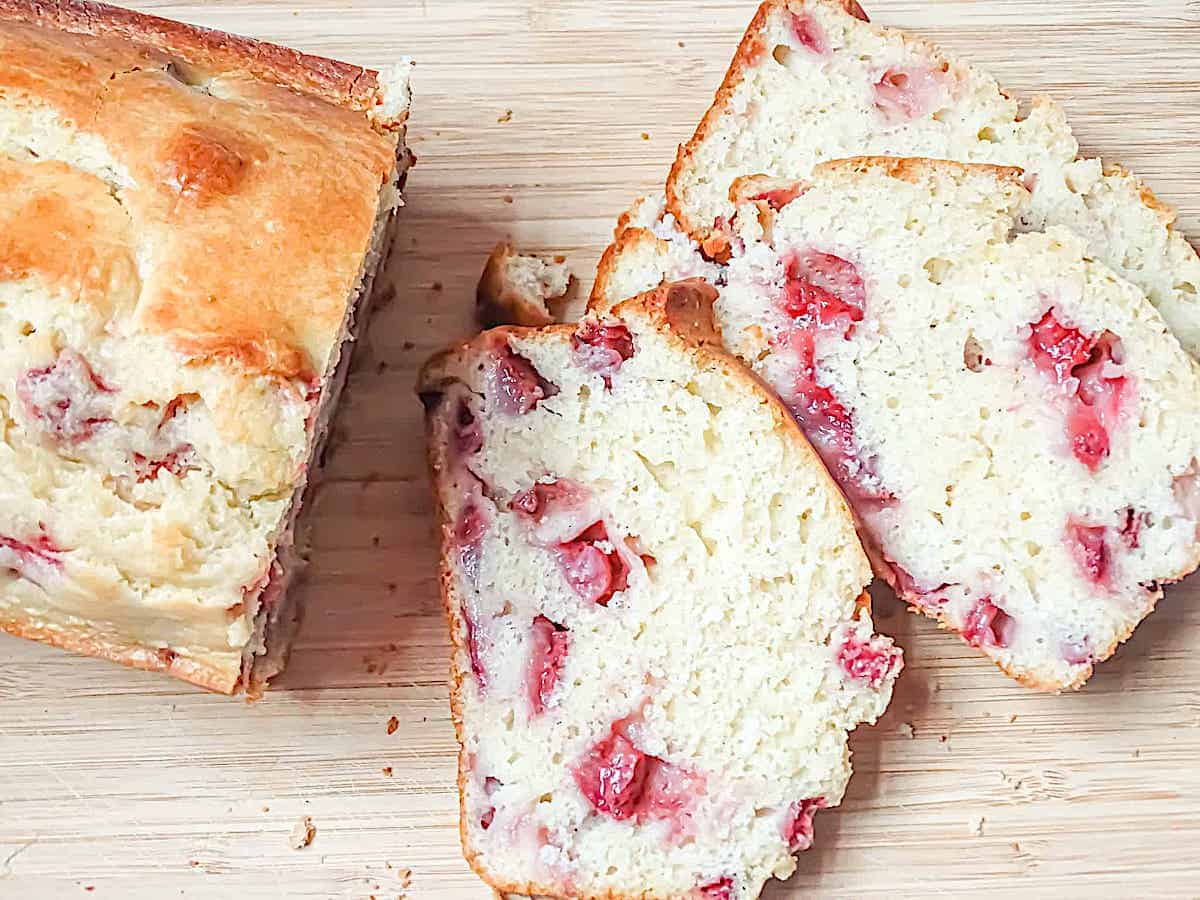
x=1015, y=425
x=655, y=594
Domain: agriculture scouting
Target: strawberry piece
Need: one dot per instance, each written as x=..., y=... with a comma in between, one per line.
x=1090, y=550
x=823, y=290
x=175, y=463
x=40, y=550
x=602, y=348
x=1088, y=366
x=612, y=776
x=809, y=34
x=516, y=383
x=475, y=648
x=489, y=815
x=1131, y=529
x=623, y=782
x=559, y=511
x=1079, y=652
x=1088, y=436
x=67, y=399
x=824, y=295
x=468, y=534
x=873, y=661
x=798, y=828
x=564, y=520
x=548, y=652
x=778, y=198
x=987, y=625
x=722, y=889
x=1057, y=349
x=904, y=93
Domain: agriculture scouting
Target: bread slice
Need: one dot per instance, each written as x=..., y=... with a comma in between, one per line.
x=191, y=224
x=812, y=81
x=1014, y=424
x=518, y=289
x=655, y=596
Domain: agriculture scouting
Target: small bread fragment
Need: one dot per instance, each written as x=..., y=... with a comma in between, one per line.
x=519, y=289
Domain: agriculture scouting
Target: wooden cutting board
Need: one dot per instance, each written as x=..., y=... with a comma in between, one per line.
x=128, y=785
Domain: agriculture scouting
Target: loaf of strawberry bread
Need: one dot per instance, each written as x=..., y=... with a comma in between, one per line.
x=655, y=596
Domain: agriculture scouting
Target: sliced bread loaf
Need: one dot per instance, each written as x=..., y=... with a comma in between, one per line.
x=655, y=595
x=1015, y=425
x=812, y=81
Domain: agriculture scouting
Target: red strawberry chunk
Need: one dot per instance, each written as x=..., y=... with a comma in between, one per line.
x=564, y=520
x=175, y=463
x=602, y=348
x=612, y=776
x=548, y=652
x=475, y=647
x=489, y=815
x=623, y=782
x=823, y=297
x=873, y=661
x=1090, y=550
x=809, y=33
x=987, y=625
x=778, y=198
x=798, y=828
x=67, y=399
x=823, y=290
x=559, y=511
x=721, y=889
x=1131, y=529
x=1057, y=349
x=1078, y=652
x=517, y=386
x=1089, y=367
x=904, y=93
x=37, y=551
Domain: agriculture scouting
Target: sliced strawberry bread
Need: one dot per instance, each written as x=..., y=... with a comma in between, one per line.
x=813, y=81
x=1014, y=424
x=655, y=595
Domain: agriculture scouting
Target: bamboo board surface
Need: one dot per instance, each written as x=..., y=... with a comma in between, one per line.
x=127, y=785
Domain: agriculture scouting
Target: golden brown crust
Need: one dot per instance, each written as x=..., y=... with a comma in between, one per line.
x=220, y=680
x=281, y=187
x=915, y=168
x=215, y=51
x=684, y=308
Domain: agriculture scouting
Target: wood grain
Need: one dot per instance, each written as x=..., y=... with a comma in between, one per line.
x=142, y=788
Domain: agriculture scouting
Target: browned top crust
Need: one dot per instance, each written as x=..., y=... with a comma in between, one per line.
x=251, y=176
x=214, y=51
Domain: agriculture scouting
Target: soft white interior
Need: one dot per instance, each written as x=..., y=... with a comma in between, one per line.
x=796, y=107
x=725, y=644
x=977, y=455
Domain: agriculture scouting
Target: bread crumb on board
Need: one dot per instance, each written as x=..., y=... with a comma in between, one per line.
x=302, y=834
x=975, y=826
x=906, y=730
x=392, y=725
